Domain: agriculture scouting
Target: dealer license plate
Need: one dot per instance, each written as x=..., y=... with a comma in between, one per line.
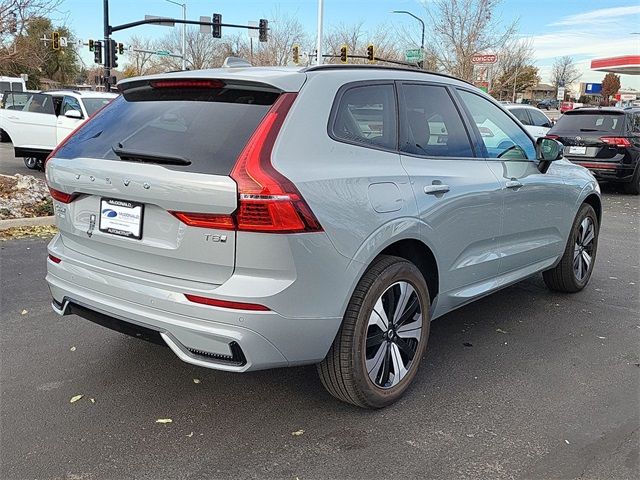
x=121, y=217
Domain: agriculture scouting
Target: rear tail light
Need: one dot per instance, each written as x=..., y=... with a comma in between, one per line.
x=620, y=142
x=206, y=220
x=552, y=137
x=54, y=259
x=62, y=196
x=226, y=304
x=187, y=84
x=268, y=201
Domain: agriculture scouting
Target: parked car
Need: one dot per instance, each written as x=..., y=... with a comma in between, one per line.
x=37, y=122
x=548, y=104
x=264, y=217
x=568, y=105
x=9, y=83
x=533, y=119
x=604, y=140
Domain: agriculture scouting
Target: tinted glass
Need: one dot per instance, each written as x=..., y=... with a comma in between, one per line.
x=501, y=135
x=38, y=103
x=431, y=124
x=16, y=87
x=4, y=86
x=601, y=122
x=367, y=115
x=94, y=104
x=70, y=103
x=539, y=119
x=208, y=127
x=521, y=114
x=635, y=123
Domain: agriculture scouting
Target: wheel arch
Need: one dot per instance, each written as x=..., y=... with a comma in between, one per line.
x=595, y=201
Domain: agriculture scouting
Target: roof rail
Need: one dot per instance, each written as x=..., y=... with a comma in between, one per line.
x=329, y=66
x=53, y=90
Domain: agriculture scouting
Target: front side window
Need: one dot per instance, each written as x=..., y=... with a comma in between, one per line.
x=431, y=125
x=70, y=103
x=502, y=136
x=367, y=115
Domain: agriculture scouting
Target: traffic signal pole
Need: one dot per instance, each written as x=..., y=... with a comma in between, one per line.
x=107, y=47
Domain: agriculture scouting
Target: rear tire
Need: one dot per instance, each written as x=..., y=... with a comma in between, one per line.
x=576, y=265
x=31, y=163
x=373, y=360
x=633, y=187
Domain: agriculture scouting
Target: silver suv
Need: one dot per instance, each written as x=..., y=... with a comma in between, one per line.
x=252, y=218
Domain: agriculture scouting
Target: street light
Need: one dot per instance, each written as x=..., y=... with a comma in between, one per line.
x=422, y=23
x=184, y=31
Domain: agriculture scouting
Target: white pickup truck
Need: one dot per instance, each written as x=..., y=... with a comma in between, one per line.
x=36, y=122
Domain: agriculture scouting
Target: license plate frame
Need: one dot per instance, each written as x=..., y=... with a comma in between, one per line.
x=121, y=218
x=577, y=150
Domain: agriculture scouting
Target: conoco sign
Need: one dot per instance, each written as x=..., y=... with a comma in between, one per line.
x=479, y=59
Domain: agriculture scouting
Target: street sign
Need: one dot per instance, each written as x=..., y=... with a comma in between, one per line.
x=560, y=95
x=167, y=23
x=162, y=53
x=414, y=55
x=64, y=41
x=206, y=29
x=480, y=59
x=253, y=33
x=484, y=86
x=593, y=88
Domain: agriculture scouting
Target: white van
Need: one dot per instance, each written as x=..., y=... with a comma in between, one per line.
x=15, y=84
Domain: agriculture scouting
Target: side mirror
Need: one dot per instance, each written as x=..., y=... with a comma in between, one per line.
x=548, y=149
x=73, y=114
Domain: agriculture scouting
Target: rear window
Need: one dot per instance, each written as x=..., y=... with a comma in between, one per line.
x=602, y=122
x=207, y=127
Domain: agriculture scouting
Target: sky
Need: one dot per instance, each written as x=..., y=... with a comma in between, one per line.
x=582, y=29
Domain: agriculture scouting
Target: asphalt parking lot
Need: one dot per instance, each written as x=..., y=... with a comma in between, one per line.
x=522, y=384
x=10, y=165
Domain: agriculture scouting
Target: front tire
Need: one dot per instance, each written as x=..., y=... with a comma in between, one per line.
x=574, y=270
x=378, y=349
x=31, y=163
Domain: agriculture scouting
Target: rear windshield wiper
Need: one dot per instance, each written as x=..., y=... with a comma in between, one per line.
x=588, y=129
x=146, y=157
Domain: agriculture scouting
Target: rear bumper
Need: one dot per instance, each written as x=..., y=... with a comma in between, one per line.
x=218, y=338
x=608, y=171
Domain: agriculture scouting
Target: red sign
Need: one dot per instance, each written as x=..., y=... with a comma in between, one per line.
x=484, y=59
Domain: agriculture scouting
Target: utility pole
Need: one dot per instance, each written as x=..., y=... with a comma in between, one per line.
x=184, y=32
x=319, y=40
x=107, y=47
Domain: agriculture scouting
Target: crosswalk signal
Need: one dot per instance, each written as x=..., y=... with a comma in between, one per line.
x=263, y=27
x=55, y=40
x=97, y=52
x=370, y=53
x=91, y=45
x=343, y=54
x=216, y=28
x=120, y=48
x=296, y=54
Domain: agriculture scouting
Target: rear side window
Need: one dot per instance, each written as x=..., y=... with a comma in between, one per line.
x=522, y=115
x=601, y=122
x=539, y=119
x=208, y=127
x=366, y=115
x=431, y=125
x=635, y=123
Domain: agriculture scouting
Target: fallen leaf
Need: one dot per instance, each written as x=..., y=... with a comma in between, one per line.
x=164, y=420
x=499, y=330
x=76, y=398
x=190, y=435
x=196, y=380
x=297, y=433
x=93, y=400
x=601, y=338
x=73, y=349
x=470, y=435
x=567, y=442
x=24, y=312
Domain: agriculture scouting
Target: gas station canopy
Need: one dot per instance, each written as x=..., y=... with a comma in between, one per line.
x=627, y=64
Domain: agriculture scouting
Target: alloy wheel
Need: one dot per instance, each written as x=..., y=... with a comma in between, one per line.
x=393, y=335
x=583, y=248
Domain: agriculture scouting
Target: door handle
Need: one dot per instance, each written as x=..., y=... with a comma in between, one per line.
x=436, y=188
x=513, y=184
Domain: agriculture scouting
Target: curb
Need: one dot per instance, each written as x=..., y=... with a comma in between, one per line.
x=27, y=222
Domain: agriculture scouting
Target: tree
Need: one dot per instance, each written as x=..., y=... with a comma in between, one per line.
x=357, y=39
x=463, y=28
x=522, y=77
x=564, y=72
x=610, y=86
x=141, y=63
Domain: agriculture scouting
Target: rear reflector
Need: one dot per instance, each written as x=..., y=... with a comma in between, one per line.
x=226, y=304
x=268, y=201
x=620, y=142
x=596, y=166
x=54, y=259
x=205, y=220
x=61, y=196
x=187, y=84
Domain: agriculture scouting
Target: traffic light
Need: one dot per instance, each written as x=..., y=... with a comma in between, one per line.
x=97, y=52
x=216, y=28
x=55, y=40
x=120, y=48
x=343, y=54
x=113, y=50
x=91, y=45
x=370, y=53
x=296, y=54
x=263, y=28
